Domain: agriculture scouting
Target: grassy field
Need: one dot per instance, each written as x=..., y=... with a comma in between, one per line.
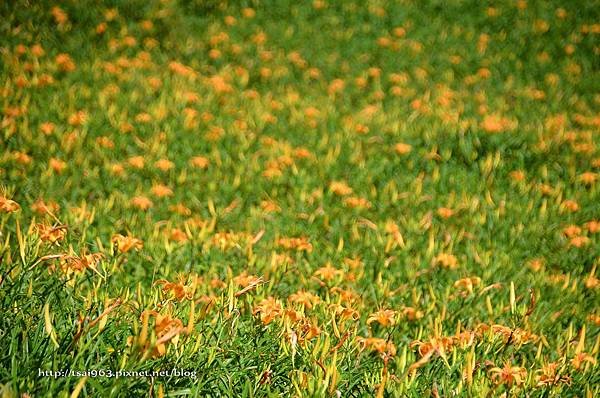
x=300, y=198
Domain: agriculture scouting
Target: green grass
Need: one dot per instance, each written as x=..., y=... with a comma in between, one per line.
x=437, y=159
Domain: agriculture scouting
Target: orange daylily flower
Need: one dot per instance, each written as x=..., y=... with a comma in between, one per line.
x=127, y=243
x=412, y=314
x=517, y=175
x=180, y=209
x=549, y=375
x=340, y=188
x=571, y=231
x=299, y=244
x=579, y=241
x=509, y=375
x=580, y=359
x=178, y=289
x=79, y=263
x=445, y=212
x=356, y=202
x=141, y=202
x=65, y=63
x=200, y=162
x=47, y=128
x=588, y=178
x=167, y=329
x=384, y=347
x=592, y=226
x=304, y=298
x=327, y=272
x=137, y=162
x=383, y=317
x=495, y=124
x=466, y=284
x=269, y=309
x=161, y=191
x=8, y=206
x=164, y=164
x=570, y=205
x=41, y=207
x=402, y=148
x=269, y=206
x=51, y=234
x=446, y=260
x=177, y=235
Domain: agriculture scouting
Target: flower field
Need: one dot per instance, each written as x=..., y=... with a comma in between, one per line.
x=267, y=198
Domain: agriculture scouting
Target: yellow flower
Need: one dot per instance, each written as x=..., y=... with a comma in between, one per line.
x=22, y=158
x=336, y=86
x=436, y=345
